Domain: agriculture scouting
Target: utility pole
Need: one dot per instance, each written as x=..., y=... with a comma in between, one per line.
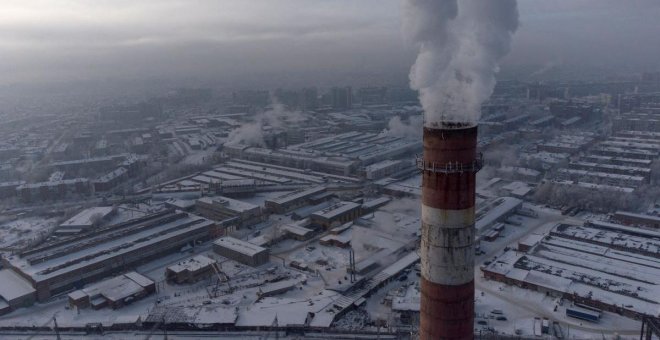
x=57, y=330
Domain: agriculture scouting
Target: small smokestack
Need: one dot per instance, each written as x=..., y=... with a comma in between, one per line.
x=449, y=166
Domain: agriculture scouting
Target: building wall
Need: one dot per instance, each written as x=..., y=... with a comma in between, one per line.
x=337, y=220
x=93, y=272
x=253, y=261
x=188, y=276
x=220, y=212
x=631, y=220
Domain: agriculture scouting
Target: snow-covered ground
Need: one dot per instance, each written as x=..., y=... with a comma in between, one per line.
x=19, y=233
x=521, y=306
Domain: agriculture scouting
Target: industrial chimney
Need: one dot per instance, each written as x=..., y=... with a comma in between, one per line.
x=449, y=166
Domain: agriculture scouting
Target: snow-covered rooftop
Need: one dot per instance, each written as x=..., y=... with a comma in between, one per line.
x=240, y=246
x=13, y=286
x=86, y=218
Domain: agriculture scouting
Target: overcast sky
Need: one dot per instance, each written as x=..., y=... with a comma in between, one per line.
x=290, y=41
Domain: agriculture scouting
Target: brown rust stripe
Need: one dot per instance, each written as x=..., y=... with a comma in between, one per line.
x=447, y=312
x=450, y=145
x=448, y=191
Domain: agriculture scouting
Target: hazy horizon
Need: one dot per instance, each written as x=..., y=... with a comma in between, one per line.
x=249, y=42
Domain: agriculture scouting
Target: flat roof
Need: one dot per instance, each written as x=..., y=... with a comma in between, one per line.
x=240, y=246
x=641, y=216
x=274, y=171
x=84, y=218
x=100, y=251
x=602, y=174
x=603, y=187
x=230, y=203
x=139, y=279
x=296, y=230
x=343, y=238
x=115, y=288
x=337, y=209
x=295, y=195
x=625, y=229
x=531, y=239
x=382, y=165
x=278, y=286
x=192, y=264
x=376, y=202
x=493, y=212
x=119, y=288
x=13, y=286
x=519, y=170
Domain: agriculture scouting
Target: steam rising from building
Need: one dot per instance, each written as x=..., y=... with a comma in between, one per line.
x=460, y=44
x=253, y=133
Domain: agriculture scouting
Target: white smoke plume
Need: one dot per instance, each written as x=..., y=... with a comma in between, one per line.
x=397, y=128
x=547, y=67
x=460, y=44
x=253, y=133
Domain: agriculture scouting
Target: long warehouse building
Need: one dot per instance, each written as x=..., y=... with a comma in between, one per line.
x=58, y=267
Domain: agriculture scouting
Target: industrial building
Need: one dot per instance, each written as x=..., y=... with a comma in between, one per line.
x=620, y=163
x=612, y=169
x=15, y=292
x=31, y=192
x=496, y=210
x=114, y=293
x=8, y=189
x=94, y=163
x=292, y=200
x=336, y=214
x=245, y=178
x=341, y=154
x=276, y=288
x=86, y=219
x=190, y=270
x=342, y=240
x=606, y=178
x=384, y=169
x=241, y=251
x=293, y=158
x=56, y=267
x=569, y=144
x=519, y=173
x=220, y=208
x=297, y=232
x=639, y=121
x=599, y=264
x=631, y=218
x=110, y=180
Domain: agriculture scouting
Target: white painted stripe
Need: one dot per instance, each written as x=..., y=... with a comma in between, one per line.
x=443, y=218
x=448, y=266
x=447, y=247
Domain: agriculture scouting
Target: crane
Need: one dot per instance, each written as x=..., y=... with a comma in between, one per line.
x=222, y=277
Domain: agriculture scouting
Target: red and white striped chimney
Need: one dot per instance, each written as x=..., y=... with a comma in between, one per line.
x=449, y=168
